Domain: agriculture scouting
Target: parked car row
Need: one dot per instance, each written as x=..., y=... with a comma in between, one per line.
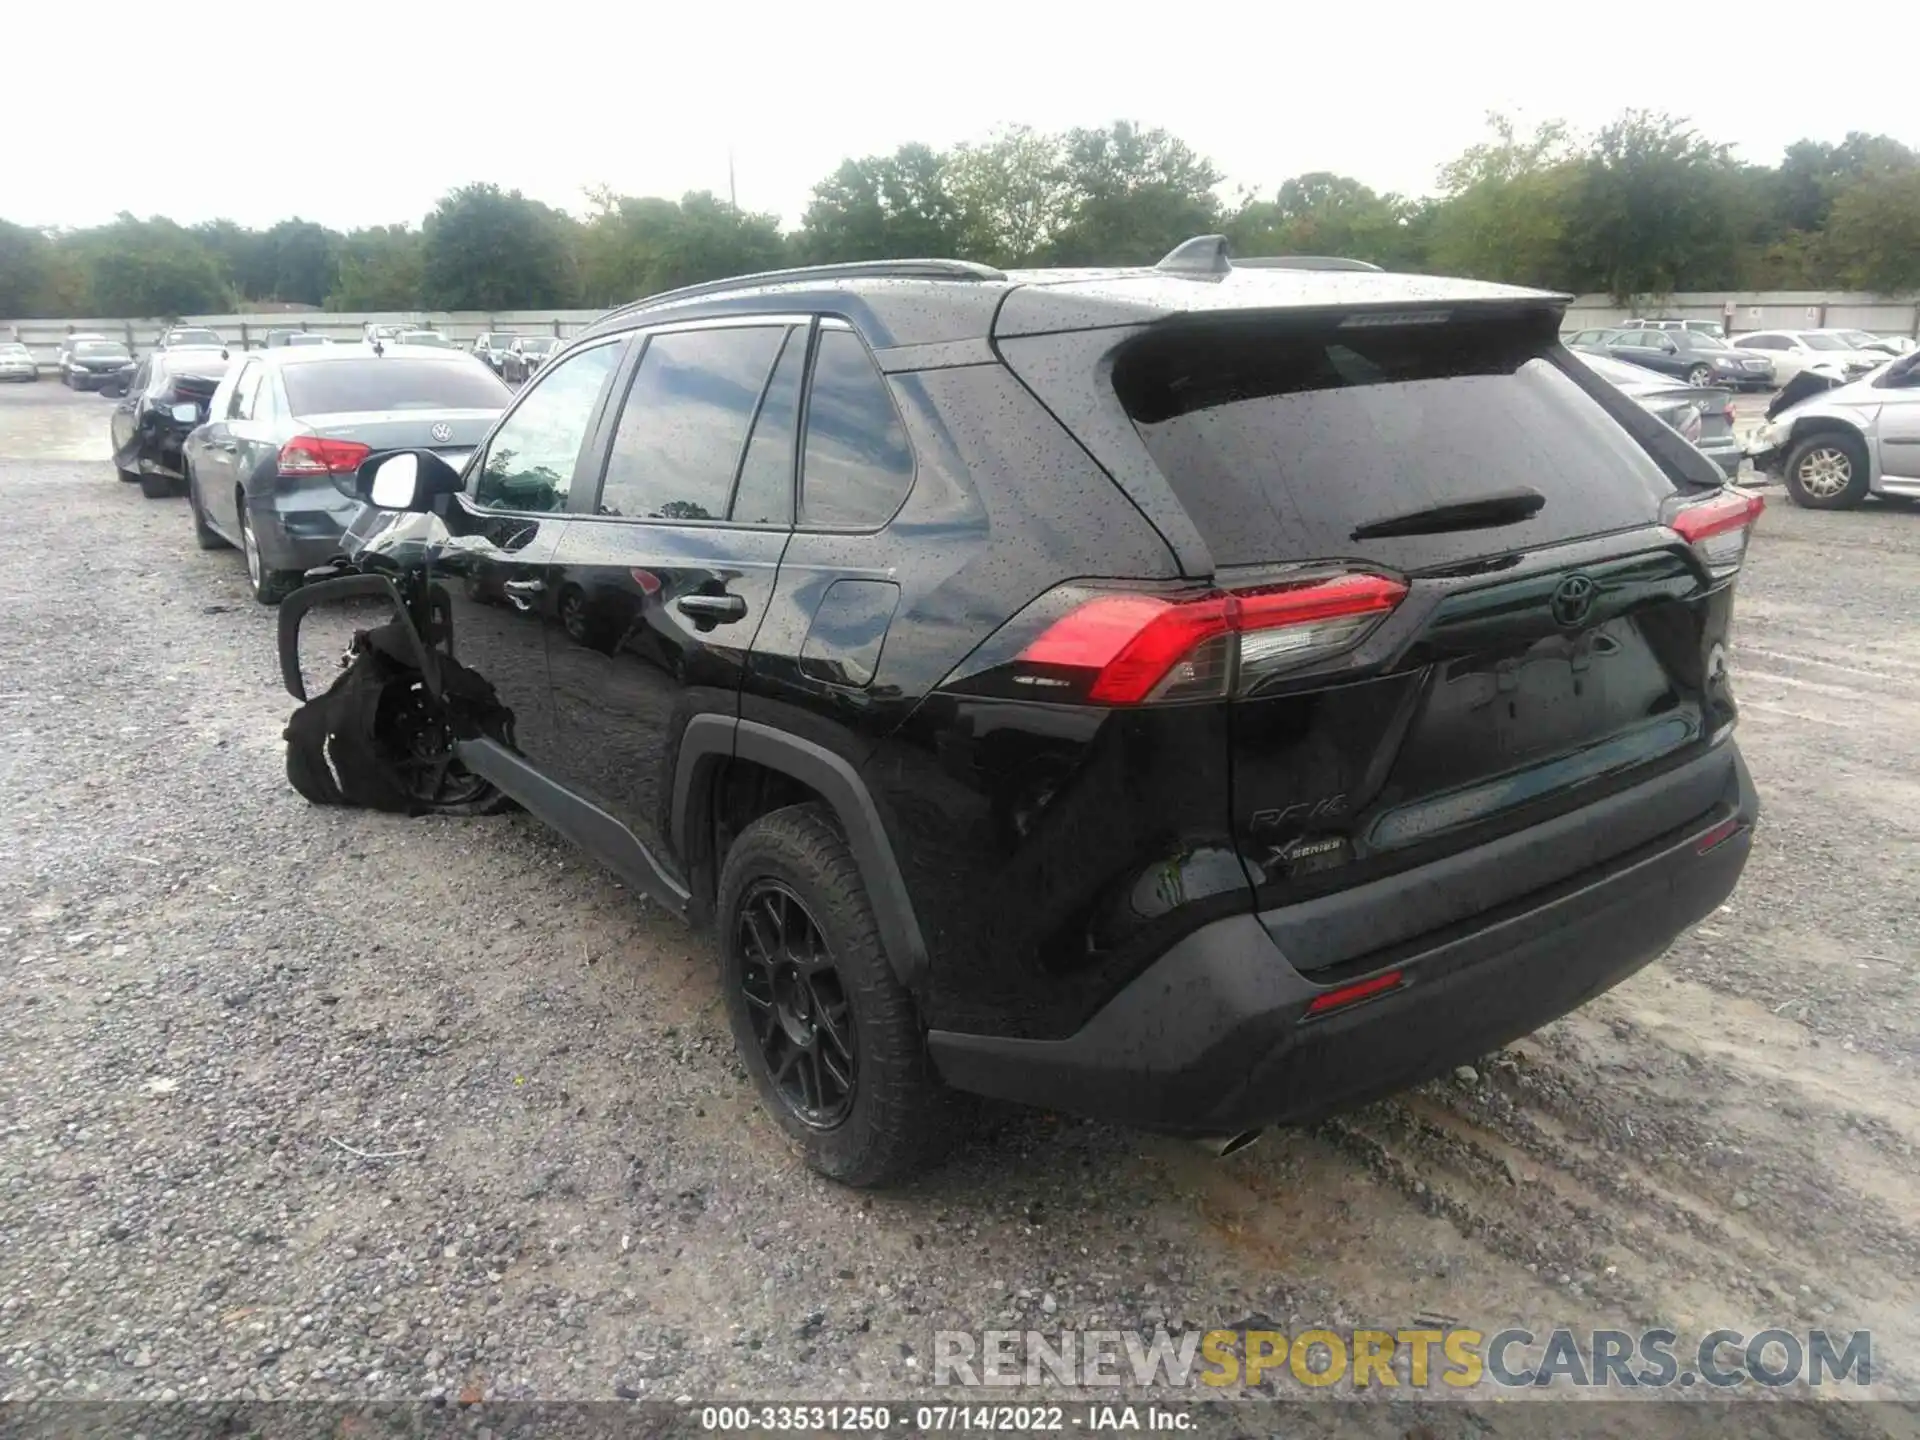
x=264, y=444
x=1761, y=359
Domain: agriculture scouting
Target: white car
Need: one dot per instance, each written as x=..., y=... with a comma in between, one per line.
x=1872, y=344
x=1793, y=351
x=1835, y=448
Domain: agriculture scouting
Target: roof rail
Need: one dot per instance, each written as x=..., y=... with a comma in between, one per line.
x=1302, y=262
x=848, y=270
x=1207, y=255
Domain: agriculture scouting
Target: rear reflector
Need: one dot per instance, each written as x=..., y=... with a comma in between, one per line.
x=1353, y=994
x=1718, y=529
x=1134, y=648
x=316, y=455
x=1718, y=835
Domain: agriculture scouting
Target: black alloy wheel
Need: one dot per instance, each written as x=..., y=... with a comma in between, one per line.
x=801, y=1016
x=418, y=745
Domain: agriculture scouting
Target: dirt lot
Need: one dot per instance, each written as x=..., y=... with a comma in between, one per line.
x=215, y=995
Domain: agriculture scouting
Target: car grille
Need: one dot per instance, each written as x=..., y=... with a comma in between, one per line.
x=1754, y=364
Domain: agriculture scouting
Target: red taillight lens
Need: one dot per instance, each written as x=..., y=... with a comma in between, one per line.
x=1142, y=648
x=1718, y=529
x=316, y=455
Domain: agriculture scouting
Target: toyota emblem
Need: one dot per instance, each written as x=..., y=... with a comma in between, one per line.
x=443, y=432
x=1573, y=600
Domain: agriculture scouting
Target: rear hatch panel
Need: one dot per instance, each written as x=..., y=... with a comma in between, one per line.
x=1535, y=666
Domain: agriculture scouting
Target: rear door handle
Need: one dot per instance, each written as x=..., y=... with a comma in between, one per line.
x=714, y=609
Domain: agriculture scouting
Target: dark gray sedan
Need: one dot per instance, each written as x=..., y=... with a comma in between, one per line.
x=271, y=471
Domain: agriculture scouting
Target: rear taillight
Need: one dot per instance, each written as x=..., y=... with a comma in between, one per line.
x=1718, y=529
x=1132, y=648
x=317, y=455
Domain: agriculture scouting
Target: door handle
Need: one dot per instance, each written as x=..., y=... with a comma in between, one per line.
x=714, y=609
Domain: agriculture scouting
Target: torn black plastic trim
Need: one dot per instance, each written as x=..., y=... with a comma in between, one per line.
x=294, y=608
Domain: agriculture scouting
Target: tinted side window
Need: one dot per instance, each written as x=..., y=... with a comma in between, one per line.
x=764, y=494
x=530, y=457
x=858, y=465
x=683, y=429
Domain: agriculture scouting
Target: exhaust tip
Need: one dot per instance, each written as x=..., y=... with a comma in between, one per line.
x=1221, y=1146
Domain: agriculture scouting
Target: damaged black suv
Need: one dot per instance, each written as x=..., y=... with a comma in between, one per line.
x=1193, y=696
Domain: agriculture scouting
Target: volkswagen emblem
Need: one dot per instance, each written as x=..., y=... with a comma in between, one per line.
x=442, y=432
x=1573, y=600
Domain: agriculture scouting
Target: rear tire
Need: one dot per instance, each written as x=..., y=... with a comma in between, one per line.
x=1828, y=471
x=817, y=1012
x=269, y=587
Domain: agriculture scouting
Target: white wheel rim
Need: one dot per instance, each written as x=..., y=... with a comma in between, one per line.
x=1825, y=472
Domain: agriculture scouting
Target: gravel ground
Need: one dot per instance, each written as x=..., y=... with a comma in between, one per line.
x=312, y=1104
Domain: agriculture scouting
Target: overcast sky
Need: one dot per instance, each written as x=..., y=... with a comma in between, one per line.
x=357, y=112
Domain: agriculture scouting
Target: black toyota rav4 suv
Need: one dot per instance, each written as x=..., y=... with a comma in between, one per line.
x=1194, y=696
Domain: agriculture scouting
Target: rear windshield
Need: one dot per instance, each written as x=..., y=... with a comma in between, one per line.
x=207, y=363
x=193, y=337
x=331, y=387
x=1280, y=443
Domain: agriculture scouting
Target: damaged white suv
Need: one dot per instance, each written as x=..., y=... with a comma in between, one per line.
x=1838, y=446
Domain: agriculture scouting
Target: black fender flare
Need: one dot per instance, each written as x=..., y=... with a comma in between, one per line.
x=710, y=740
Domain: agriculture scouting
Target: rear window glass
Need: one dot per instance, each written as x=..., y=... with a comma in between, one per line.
x=204, y=363
x=1281, y=443
x=328, y=387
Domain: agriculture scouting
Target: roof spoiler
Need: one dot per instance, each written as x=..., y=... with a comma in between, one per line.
x=1207, y=255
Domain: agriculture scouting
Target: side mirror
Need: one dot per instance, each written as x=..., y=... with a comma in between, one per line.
x=186, y=414
x=405, y=480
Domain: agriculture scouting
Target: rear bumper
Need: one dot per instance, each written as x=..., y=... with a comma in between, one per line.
x=1214, y=1038
x=301, y=529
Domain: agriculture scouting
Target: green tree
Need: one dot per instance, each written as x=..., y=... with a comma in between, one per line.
x=631, y=247
x=26, y=260
x=1135, y=194
x=1326, y=214
x=1812, y=174
x=1874, y=233
x=488, y=249
x=378, y=268
x=1651, y=210
x=244, y=257
x=304, y=261
x=1506, y=206
x=1012, y=194
x=138, y=268
x=883, y=207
